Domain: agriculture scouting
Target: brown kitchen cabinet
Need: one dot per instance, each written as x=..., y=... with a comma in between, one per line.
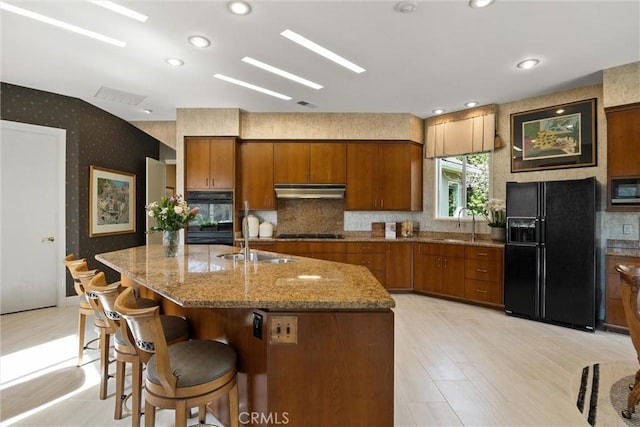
x=384, y=176
x=371, y=255
x=439, y=269
x=328, y=251
x=255, y=175
x=398, y=265
x=304, y=162
x=623, y=148
x=614, y=318
x=483, y=274
x=209, y=163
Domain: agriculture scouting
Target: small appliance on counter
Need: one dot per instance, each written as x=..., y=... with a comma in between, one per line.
x=265, y=230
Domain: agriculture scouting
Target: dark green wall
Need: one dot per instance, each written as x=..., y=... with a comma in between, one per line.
x=94, y=137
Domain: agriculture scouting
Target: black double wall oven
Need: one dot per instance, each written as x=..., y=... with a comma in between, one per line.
x=214, y=223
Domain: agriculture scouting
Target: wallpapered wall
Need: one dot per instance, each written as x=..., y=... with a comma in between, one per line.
x=94, y=137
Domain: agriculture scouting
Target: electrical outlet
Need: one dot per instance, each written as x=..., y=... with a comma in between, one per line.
x=627, y=229
x=283, y=330
x=257, y=325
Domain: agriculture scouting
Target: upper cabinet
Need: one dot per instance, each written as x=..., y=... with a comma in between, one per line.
x=384, y=176
x=623, y=147
x=309, y=162
x=210, y=163
x=255, y=175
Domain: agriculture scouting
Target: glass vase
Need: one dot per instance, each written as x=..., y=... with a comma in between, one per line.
x=498, y=234
x=170, y=243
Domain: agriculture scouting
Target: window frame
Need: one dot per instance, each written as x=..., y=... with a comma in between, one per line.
x=463, y=190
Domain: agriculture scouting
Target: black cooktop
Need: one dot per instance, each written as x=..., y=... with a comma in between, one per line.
x=310, y=236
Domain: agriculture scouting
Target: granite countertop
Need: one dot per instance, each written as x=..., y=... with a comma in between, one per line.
x=630, y=248
x=366, y=237
x=197, y=277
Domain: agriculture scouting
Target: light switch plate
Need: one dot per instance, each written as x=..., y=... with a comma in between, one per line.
x=283, y=330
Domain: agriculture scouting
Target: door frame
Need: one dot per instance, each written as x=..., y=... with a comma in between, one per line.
x=60, y=136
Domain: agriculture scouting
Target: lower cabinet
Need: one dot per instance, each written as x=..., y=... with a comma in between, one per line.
x=614, y=312
x=463, y=272
x=469, y=273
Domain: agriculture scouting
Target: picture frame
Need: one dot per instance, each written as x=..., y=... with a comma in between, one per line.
x=112, y=202
x=558, y=137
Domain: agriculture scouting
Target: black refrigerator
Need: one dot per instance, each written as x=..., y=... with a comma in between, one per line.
x=550, y=252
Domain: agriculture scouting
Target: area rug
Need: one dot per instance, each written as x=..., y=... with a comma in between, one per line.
x=600, y=391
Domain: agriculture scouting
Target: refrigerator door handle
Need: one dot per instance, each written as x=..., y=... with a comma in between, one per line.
x=541, y=279
x=541, y=231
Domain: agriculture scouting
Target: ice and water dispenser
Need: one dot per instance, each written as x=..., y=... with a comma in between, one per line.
x=521, y=230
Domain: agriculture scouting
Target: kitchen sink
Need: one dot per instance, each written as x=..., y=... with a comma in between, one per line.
x=254, y=256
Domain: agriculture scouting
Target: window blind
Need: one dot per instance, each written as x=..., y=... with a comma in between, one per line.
x=463, y=132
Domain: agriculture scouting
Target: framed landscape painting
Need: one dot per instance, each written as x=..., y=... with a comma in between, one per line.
x=112, y=202
x=563, y=136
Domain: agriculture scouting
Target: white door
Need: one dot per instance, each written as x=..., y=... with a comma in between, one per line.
x=32, y=216
x=156, y=187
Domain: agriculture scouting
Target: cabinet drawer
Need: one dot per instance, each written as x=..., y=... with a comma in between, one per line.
x=292, y=248
x=483, y=270
x=327, y=247
x=452, y=251
x=480, y=290
x=483, y=253
x=373, y=261
x=366, y=247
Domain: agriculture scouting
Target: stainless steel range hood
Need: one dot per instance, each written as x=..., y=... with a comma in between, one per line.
x=310, y=191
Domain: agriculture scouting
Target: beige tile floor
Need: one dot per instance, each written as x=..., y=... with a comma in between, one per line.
x=456, y=365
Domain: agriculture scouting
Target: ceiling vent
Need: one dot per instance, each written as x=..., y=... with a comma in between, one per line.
x=307, y=104
x=115, y=95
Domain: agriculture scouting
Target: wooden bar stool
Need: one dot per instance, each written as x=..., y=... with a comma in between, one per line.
x=630, y=281
x=84, y=308
x=175, y=329
x=181, y=376
x=102, y=324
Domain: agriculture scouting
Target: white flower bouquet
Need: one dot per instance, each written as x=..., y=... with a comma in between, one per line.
x=495, y=211
x=171, y=213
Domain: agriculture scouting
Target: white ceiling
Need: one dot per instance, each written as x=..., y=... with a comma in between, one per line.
x=442, y=55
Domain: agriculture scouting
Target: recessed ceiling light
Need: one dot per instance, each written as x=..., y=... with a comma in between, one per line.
x=406, y=7
x=560, y=111
x=60, y=24
x=239, y=7
x=528, y=63
x=199, y=41
x=478, y=4
x=147, y=111
x=281, y=73
x=251, y=86
x=121, y=10
x=438, y=111
x=174, y=61
x=471, y=104
x=316, y=48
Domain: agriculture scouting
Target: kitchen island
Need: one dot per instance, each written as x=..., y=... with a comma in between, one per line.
x=314, y=338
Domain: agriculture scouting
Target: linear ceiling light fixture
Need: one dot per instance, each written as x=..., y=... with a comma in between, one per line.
x=251, y=86
x=121, y=10
x=60, y=24
x=304, y=42
x=281, y=73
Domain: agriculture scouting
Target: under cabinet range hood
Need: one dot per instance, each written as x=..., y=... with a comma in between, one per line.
x=309, y=191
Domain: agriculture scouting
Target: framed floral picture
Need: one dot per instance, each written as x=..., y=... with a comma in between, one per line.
x=563, y=136
x=112, y=202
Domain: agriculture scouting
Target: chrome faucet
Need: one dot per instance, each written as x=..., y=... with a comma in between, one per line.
x=473, y=221
x=246, y=231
